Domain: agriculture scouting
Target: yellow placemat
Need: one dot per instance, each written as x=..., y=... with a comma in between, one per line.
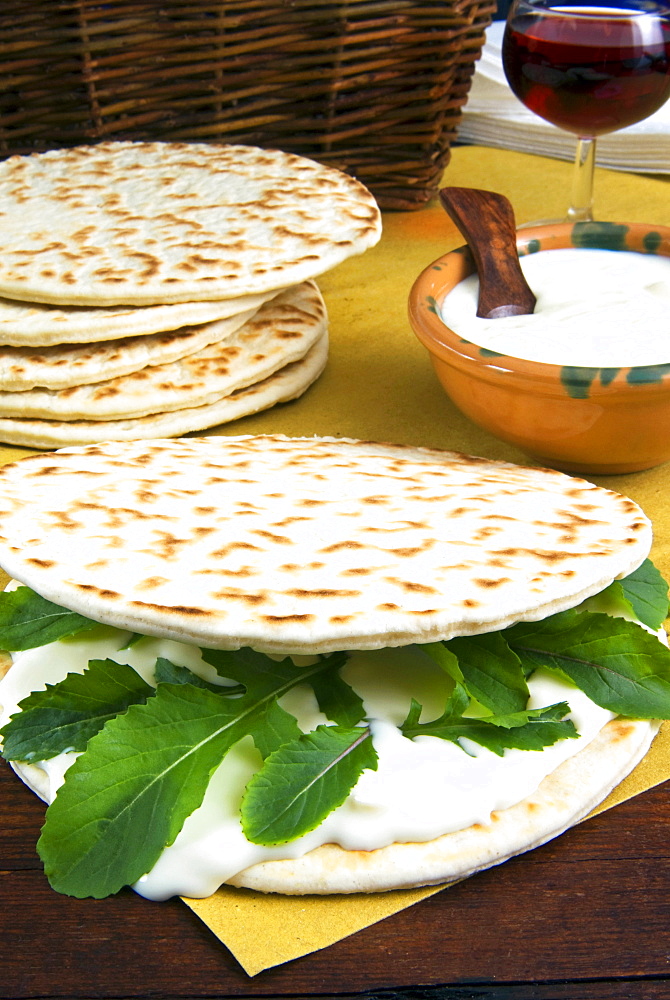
x=263, y=931
x=380, y=385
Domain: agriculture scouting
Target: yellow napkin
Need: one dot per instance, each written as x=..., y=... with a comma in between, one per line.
x=379, y=385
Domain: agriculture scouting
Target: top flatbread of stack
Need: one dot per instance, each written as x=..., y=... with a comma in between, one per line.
x=149, y=222
x=308, y=545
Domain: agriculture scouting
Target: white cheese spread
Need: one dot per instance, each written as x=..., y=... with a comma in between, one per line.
x=422, y=788
x=595, y=309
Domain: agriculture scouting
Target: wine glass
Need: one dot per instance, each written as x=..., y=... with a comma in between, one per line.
x=589, y=67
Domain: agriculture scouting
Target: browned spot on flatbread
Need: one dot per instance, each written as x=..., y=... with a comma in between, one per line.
x=151, y=582
x=225, y=550
x=106, y=595
x=280, y=619
x=287, y=521
x=549, y=555
x=409, y=551
x=302, y=593
x=411, y=586
x=203, y=532
x=337, y=546
x=620, y=730
x=174, y=609
x=240, y=595
x=275, y=539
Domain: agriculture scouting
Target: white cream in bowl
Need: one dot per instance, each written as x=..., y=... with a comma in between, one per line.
x=595, y=309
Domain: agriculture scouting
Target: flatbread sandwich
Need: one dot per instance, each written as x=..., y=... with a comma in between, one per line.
x=317, y=665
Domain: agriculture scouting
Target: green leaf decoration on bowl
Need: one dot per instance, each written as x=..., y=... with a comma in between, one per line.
x=652, y=241
x=532, y=246
x=647, y=374
x=600, y=235
x=577, y=381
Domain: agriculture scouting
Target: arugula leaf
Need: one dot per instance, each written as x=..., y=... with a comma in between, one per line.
x=337, y=700
x=167, y=672
x=148, y=769
x=66, y=715
x=531, y=729
x=619, y=666
x=643, y=596
x=242, y=664
x=445, y=658
x=302, y=782
x=647, y=593
x=28, y=620
x=132, y=640
x=491, y=671
x=550, y=713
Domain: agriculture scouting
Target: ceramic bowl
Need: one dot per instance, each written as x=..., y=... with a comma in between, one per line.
x=584, y=420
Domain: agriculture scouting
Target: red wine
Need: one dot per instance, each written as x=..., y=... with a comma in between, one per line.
x=590, y=73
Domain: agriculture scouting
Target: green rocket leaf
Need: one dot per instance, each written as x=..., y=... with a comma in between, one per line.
x=302, y=782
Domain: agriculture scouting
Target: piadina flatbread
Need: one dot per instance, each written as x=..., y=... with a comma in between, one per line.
x=68, y=365
x=280, y=332
x=308, y=547
x=284, y=385
x=147, y=223
x=38, y=325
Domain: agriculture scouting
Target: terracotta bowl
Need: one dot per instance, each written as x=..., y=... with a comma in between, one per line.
x=585, y=420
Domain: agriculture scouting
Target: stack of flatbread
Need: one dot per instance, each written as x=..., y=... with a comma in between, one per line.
x=159, y=288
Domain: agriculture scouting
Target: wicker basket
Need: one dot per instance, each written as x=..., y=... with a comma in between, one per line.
x=374, y=87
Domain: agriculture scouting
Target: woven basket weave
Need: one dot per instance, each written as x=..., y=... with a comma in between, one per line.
x=374, y=87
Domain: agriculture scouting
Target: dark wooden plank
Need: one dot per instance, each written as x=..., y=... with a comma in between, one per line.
x=21, y=816
x=609, y=989
x=589, y=909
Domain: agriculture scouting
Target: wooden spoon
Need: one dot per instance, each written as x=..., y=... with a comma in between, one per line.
x=486, y=220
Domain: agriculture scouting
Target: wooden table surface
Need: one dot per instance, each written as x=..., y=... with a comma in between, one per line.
x=584, y=917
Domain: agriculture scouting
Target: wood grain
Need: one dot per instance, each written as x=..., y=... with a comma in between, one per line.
x=582, y=918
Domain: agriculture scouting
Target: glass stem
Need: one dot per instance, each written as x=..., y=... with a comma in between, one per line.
x=581, y=205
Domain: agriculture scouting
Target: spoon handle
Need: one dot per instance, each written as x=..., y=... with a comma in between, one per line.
x=486, y=220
